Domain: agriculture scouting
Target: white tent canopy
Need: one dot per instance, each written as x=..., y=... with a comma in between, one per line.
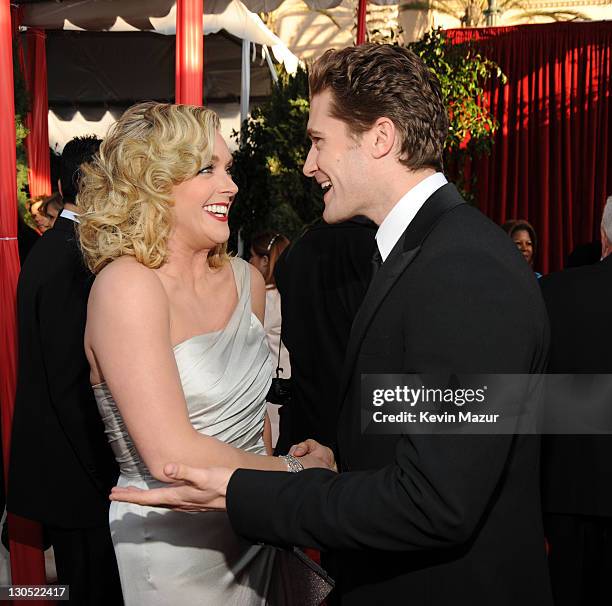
x=155, y=16
x=137, y=13
x=159, y=16
x=94, y=76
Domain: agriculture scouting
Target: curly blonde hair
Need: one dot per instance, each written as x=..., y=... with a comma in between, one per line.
x=126, y=191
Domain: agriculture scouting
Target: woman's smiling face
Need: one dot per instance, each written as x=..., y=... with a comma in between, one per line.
x=202, y=203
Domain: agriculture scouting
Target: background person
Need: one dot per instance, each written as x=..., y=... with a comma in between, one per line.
x=40, y=220
x=57, y=432
x=577, y=470
x=524, y=237
x=27, y=236
x=322, y=279
x=266, y=248
x=51, y=208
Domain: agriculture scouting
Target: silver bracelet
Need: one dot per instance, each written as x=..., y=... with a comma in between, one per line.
x=293, y=464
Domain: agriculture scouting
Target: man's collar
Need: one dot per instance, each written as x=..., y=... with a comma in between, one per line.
x=400, y=216
x=68, y=214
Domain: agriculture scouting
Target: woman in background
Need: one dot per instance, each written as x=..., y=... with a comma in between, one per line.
x=266, y=248
x=45, y=210
x=51, y=208
x=524, y=237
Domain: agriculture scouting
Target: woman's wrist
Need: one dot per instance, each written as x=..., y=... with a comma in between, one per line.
x=293, y=464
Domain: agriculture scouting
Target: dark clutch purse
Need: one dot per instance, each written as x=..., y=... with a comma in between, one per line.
x=280, y=391
x=297, y=580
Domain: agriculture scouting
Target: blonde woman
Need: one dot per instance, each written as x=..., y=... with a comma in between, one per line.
x=179, y=360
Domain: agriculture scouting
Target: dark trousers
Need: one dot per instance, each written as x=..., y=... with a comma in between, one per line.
x=580, y=559
x=85, y=560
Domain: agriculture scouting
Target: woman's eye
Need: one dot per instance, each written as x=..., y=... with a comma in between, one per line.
x=206, y=170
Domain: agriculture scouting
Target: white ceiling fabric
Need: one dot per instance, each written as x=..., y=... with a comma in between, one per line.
x=155, y=16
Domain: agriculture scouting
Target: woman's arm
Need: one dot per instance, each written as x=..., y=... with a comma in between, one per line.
x=267, y=435
x=128, y=332
x=258, y=307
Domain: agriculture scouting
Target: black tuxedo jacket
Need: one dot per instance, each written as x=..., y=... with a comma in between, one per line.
x=322, y=279
x=61, y=467
x=577, y=470
x=425, y=520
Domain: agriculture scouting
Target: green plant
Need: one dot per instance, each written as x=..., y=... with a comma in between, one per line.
x=21, y=109
x=462, y=72
x=273, y=192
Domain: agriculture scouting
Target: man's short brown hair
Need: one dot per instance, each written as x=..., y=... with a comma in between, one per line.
x=375, y=80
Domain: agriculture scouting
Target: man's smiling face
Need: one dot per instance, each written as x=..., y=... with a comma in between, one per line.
x=337, y=161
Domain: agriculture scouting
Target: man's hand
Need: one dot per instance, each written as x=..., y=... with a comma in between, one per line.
x=194, y=490
x=197, y=489
x=312, y=447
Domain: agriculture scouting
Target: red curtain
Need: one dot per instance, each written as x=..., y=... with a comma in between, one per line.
x=551, y=163
x=27, y=562
x=37, y=121
x=9, y=255
x=189, y=52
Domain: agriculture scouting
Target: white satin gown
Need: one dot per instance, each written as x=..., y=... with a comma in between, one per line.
x=169, y=558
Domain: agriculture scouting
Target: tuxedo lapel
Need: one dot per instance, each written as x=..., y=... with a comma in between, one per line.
x=400, y=258
x=381, y=284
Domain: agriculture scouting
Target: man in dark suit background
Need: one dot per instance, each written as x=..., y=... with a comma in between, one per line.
x=426, y=520
x=577, y=470
x=58, y=437
x=322, y=279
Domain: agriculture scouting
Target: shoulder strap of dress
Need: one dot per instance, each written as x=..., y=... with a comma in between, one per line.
x=242, y=275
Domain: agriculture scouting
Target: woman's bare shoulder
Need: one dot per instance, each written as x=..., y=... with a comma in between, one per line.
x=127, y=282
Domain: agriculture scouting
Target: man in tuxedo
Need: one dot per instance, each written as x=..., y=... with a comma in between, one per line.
x=57, y=434
x=426, y=520
x=577, y=470
x=322, y=279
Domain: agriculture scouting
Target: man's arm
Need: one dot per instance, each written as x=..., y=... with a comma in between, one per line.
x=472, y=318
x=400, y=507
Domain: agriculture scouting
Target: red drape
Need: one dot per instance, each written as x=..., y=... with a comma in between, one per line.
x=189, y=52
x=9, y=256
x=27, y=562
x=552, y=162
x=37, y=121
x=16, y=18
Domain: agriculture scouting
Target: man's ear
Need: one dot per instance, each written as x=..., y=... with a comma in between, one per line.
x=384, y=137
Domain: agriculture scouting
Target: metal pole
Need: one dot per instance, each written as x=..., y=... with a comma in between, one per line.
x=361, y=21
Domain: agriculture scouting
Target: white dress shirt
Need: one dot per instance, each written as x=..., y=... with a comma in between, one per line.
x=400, y=216
x=68, y=214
